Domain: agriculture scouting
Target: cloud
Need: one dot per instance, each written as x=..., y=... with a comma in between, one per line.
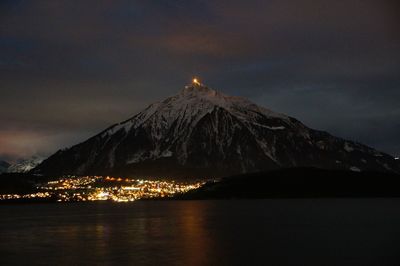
x=68, y=69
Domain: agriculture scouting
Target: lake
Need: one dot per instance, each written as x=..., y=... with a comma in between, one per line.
x=226, y=232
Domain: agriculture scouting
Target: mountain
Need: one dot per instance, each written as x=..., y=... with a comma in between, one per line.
x=201, y=132
x=25, y=165
x=4, y=166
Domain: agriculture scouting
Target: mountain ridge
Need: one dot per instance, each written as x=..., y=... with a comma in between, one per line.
x=203, y=132
x=25, y=165
x=4, y=166
x=301, y=182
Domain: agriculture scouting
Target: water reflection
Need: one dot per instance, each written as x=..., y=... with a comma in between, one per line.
x=193, y=233
x=280, y=232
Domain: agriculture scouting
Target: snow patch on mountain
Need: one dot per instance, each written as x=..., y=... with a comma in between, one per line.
x=347, y=147
x=355, y=169
x=272, y=128
x=25, y=165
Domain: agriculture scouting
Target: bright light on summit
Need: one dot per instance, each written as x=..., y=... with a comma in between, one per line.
x=196, y=81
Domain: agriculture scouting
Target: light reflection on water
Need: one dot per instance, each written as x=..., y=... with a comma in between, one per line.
x=275, y=232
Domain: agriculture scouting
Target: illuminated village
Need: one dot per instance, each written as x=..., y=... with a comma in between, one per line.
x=98, y=188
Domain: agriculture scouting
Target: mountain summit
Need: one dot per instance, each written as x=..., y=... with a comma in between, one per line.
x=201, y=132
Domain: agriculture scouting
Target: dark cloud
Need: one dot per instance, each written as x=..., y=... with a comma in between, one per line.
x=68, y=69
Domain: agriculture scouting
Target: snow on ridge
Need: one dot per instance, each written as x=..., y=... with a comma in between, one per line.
x=231, y=103
x=347, y=147
x=135, y=121
x=184, y=110
x=139, y=156
x=268, y=127
x=355, y=169
x=194, y=101
x=25, y=165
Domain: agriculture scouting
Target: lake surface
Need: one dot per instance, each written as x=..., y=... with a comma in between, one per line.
x=226, y=232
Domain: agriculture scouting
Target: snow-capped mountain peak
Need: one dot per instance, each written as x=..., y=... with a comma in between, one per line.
x=202, y=131
x=25, y=165
x=191, y=104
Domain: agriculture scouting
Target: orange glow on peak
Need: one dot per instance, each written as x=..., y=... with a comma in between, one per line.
x=196, y=81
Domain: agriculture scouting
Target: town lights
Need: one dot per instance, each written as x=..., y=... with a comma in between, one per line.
x=92, y=188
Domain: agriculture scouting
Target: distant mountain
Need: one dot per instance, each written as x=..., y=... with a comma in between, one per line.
x=300, y=183
x=201, y=132
x=25, y=165
x=4, y=166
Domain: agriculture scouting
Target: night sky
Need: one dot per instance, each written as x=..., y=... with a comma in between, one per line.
x=69, y=69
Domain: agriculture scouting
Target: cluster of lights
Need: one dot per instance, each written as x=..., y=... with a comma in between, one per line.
x=140, y=189
x=70, y=183
x=38, y=195
x=97, y=188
